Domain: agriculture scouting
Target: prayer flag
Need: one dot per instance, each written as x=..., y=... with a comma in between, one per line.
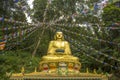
x=1, y=18
x=16, y=1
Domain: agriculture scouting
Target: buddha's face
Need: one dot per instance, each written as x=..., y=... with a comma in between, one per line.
x=59, y=35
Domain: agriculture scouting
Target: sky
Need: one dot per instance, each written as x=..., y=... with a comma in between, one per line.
x=30, y=3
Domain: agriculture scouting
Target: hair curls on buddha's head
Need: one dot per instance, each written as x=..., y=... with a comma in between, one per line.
x=55, y=36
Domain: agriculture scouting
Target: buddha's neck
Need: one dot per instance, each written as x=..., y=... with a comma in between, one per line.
x=59, y=39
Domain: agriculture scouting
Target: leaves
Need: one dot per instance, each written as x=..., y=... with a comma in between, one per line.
x=111, y=15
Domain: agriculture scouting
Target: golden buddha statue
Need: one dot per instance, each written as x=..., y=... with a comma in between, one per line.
x=59, y=51
x=58, y=64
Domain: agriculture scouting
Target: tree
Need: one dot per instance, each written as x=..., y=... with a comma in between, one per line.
x=111, y=19
x=111, y=15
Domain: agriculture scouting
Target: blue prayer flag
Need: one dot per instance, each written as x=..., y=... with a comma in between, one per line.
x=1, y=18
x=15, y=1
x=95, y=6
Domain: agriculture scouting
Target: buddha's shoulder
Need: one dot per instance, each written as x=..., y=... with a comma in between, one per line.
x=66, y=42
x=52, y=41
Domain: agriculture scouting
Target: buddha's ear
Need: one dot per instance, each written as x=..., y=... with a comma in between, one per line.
x=55, y=37
x=63, y=38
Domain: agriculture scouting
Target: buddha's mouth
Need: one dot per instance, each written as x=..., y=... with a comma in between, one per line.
x=59, y=36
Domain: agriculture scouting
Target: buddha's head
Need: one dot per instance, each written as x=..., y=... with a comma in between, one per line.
x=59, y=35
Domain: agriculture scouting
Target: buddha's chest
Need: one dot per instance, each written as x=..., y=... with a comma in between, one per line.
x=59, y=44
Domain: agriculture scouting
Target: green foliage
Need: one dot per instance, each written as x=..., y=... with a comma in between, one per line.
x=59, y=8
x=11, y=11
x=12, y=62
x=39, y=8
x=111, y=15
